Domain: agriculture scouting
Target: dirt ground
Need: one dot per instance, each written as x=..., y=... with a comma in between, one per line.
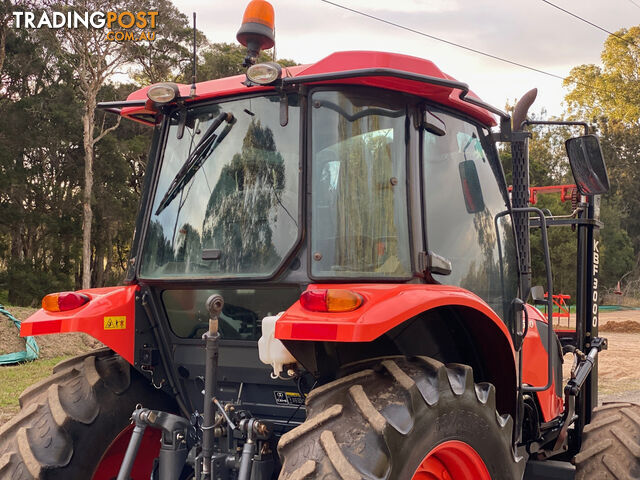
x=619, y=375
x=50, y=345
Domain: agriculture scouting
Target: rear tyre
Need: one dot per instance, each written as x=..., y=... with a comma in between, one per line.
x=611, y=444
x=69, y=420
x=400, y=419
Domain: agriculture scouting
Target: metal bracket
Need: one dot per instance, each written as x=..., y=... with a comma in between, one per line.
x=584, y=125
x=600, y=343
x=510, y=136
x=563, y=222
x=573, y=387
x=434, y=263
x=149, y=357
x=173, y=450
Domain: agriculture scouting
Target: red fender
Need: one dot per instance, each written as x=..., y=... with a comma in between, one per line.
x=108, y=316
x=385, y=306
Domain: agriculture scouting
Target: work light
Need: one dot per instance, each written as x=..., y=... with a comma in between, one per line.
x=163, y=92
x=264, y=73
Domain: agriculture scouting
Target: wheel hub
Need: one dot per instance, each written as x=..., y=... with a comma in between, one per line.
x=452, y=460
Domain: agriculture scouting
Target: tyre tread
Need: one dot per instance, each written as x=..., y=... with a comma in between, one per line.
x=371, y=415
x=311, y=425
x=39, y=441
x=303, y=472
x=402, y=378
x=344, y=468
x=367, y=419
x=610, y=446
x=28, y=457
x=316, y=392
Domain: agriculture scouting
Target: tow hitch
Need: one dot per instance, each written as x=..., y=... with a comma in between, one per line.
x=582, y=366
x=243, y=441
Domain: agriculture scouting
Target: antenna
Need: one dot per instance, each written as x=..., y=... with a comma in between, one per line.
x=192, y=93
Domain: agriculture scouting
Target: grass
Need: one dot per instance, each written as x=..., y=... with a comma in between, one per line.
x=15, y=378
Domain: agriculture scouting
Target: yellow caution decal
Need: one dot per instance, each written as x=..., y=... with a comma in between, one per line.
x=115, y=323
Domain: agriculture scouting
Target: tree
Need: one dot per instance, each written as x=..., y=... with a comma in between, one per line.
x=96, y=59
x=225, y=60
x=613, y=89
x=39, y=166
x=170, y=54
x=120, y=161
x=5, y=17
x=43, y=113
x=617, y=253
x=609, y=95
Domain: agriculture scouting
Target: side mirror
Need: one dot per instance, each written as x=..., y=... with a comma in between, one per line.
x=537, y=293
x=471, y=189
x=587, y=165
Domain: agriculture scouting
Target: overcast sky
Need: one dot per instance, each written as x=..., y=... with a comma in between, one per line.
x=526, y=31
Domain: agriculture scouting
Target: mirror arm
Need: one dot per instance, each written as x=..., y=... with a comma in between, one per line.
x=557, y=122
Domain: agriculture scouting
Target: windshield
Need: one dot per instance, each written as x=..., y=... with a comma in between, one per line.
x=236, y=211
x=359, y=196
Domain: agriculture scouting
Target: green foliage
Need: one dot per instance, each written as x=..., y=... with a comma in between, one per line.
x=616, y=244
x=170, y=53
x=221, y=60
x=42, y=152
x=609, y=95
x=225, y=59
x=41, y=175
x=562, y=246
x=616, y=252
x=33, y=282
x=611, y=90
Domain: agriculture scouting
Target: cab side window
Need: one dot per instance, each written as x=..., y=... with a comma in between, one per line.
x=462, y=199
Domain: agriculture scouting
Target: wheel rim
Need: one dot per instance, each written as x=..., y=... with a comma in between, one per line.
x=452, y=460
x=111, y=461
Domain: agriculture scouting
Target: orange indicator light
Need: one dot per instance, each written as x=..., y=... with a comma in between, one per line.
x=63, y=301
x=330, y=300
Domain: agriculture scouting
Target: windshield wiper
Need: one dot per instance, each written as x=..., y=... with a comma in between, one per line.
x=205, y=147
x=380, y=111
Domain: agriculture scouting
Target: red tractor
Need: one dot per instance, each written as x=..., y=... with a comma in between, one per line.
x=328, y=281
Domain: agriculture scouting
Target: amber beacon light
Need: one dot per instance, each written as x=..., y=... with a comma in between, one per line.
x=257, y=29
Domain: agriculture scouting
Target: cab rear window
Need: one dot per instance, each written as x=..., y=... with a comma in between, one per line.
x=241, y=318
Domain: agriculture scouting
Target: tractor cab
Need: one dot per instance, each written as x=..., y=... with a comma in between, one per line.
x=351, y=188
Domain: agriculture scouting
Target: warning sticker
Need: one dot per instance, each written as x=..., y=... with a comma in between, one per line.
x=288, y=398
x=115, y=323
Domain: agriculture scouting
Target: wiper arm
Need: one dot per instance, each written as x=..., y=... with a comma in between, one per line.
x=383, y=112
x=205, y=147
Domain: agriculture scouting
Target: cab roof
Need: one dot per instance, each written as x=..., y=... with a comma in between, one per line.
x=371, y=67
